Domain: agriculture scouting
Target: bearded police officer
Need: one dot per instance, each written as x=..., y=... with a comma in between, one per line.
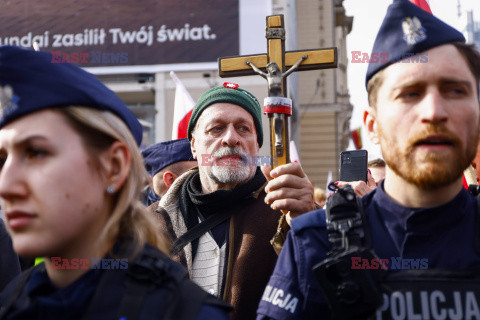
x=422, y=83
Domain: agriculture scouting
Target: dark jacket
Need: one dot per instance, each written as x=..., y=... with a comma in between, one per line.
x=147, y=287
x=440, y=237
x=9, y=263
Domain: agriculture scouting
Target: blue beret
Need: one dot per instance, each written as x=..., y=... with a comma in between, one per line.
x=29, y=82
x=160, y=155
x=407, y=30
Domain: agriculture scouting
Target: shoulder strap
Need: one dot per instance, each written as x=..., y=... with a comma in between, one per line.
x=200, y=229
x=16, y=291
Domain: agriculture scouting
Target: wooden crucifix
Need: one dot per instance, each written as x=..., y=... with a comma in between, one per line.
x=275, y=66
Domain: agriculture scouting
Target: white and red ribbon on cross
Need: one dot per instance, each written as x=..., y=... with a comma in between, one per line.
x=277, y=105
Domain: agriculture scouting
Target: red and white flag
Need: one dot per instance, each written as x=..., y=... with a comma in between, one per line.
x=182, y=110
x=422, y=4
x=357, y=138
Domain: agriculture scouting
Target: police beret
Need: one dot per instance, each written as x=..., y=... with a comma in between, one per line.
x=408, y=30
x=30, y=81
x=160, y=155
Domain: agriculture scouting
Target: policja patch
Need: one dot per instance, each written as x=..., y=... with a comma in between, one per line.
x=433, y=294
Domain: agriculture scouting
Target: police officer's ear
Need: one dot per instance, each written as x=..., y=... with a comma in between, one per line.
x=169, y=177
x=370, y=122
x=116, y=162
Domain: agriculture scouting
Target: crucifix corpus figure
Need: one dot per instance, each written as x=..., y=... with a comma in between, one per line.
x=275, y=76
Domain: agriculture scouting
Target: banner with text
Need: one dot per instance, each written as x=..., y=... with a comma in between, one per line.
x=105, y=32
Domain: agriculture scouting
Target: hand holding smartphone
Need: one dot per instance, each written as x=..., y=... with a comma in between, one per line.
x=353, y=165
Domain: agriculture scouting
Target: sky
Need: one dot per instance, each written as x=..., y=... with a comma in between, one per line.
x=367, y=18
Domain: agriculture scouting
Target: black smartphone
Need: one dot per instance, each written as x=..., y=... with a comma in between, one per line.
x=353, y=165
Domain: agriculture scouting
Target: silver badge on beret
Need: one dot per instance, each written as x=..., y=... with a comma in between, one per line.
x=8, y=101
x=413, y=31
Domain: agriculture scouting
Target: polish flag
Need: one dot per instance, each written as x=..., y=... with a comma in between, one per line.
x=469, y=177
x=182, y=110
x=357, y=138
x=422, y=4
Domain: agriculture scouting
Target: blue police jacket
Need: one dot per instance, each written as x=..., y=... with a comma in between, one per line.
x=40, y=299
x=435, y=238
x=9, y=263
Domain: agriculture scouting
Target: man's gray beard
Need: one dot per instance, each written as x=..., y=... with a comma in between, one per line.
x=231, y=174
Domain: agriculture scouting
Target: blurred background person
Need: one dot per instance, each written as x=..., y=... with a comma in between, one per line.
x=165, y=162
x=376, y=168
x=320, y=196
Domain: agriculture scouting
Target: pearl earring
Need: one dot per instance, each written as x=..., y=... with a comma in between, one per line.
x=110, y=189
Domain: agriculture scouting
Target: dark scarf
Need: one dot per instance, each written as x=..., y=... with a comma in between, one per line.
x=193, y=203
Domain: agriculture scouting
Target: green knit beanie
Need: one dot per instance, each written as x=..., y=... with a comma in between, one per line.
x=230, y=93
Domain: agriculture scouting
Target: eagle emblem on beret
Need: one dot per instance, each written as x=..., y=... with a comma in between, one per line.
x=413, y=31
x=8, y=101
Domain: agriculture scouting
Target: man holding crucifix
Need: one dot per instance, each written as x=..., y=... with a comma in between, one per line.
x=233, y=259
x=222, y=215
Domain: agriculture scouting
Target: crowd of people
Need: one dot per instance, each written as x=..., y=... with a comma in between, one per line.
x=189, y=229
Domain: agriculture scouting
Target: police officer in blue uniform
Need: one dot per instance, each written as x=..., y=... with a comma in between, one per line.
x=424, y=113
x=165, y=162
x=70, y=182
